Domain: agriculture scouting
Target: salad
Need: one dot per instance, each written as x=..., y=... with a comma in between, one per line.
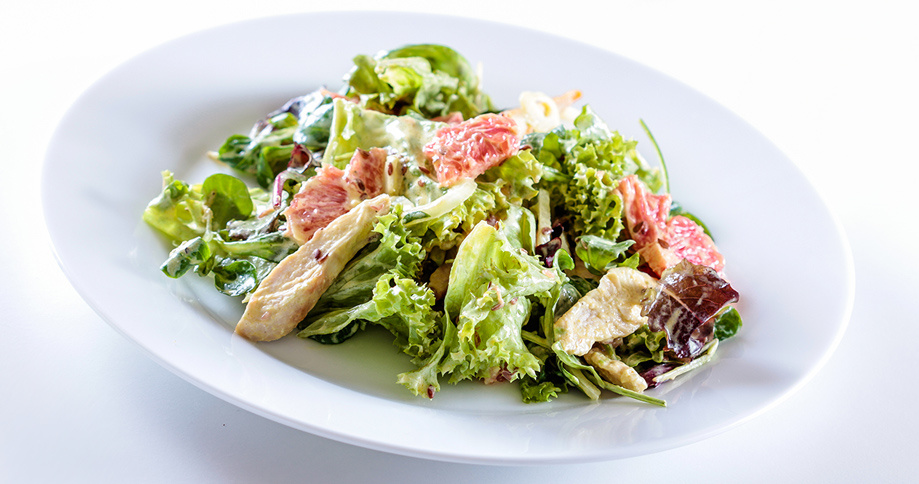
x=530, y=244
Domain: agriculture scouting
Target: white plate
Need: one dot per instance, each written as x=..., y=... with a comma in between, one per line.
x=167, y=107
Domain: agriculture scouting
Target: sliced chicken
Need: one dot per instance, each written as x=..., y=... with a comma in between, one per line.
x=291, y=290
x=610, y=311
x=615, y=371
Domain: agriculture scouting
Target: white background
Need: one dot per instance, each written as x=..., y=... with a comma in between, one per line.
x=832, y=83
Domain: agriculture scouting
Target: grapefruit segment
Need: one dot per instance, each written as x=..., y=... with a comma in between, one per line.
x=332, y=192
x=469, y=148
x=661, y=240
x=321, y=199
x=366, y=171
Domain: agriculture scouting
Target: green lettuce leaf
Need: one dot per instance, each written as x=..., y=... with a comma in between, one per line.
x=426, y=80
x=425, y=380
x=727, y=324
x=396, y=251
x=271, y=246
x=494, y=290
x=267, y=149
x=591, y=143
x=582, y=168
x=519, y=225
x=398, y=304
x=488, y=298
x=587, y=379
x=263, y=154
x=641, y=346
x=188, y=255
x=240, y=276
x=228, y=198
x=444, y=203
x=178, y=211
x=517, y=177
x=234, y=274
x=594, y=203
x=354, y=127
x=443, y=222
x=378, y=286
x=600, y=254
x=549, y=382
x=217, y=232
x=448, y=230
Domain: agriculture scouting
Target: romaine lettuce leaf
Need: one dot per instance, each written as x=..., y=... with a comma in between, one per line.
x=519, y=225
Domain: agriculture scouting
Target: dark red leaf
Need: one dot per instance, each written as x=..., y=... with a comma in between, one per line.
x=687, y=299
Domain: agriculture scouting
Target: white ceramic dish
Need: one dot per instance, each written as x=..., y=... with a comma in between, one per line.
x=167, y=107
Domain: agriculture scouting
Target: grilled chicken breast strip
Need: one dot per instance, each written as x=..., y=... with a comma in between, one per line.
x=292, y=288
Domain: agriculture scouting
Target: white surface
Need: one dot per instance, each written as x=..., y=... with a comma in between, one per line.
x=830, y=83
x=167, y=106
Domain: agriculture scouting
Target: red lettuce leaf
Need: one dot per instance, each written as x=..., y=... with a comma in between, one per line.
x=650, y=373
x=685, y=304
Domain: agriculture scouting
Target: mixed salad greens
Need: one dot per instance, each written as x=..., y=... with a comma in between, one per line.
x=530, y=245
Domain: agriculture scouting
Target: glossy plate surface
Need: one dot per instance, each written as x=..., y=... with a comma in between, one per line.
x=167, y=107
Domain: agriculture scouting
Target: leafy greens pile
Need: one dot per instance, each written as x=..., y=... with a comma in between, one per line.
x=469, y=279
